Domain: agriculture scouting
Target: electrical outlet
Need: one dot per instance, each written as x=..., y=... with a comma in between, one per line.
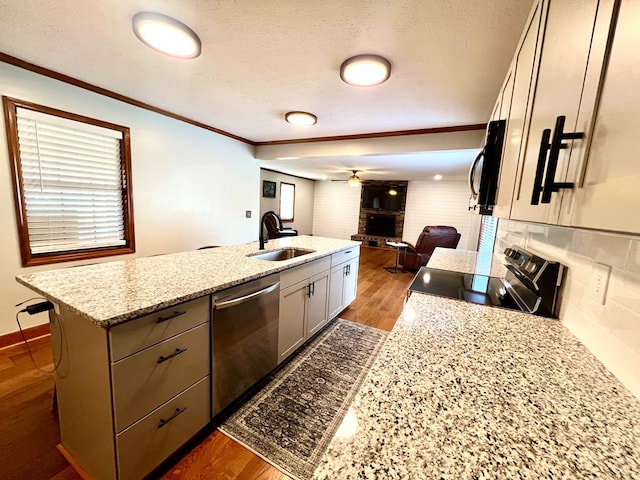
x=599, y=283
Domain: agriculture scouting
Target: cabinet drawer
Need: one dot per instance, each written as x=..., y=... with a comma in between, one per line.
x=344, y=255
x=144, y=445
x=303, y=272
x=149, y=378
x=132, y=336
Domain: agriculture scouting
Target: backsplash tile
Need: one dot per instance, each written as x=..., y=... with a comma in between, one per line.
x=611, y=331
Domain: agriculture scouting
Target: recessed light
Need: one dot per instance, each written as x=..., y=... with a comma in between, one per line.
x=301, y=118
x=287, y=158
x=437, y=177
x=166, y=35
x=365, y=70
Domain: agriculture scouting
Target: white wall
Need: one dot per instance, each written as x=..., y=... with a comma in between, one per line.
x=191, y=187
x=440, y=203
x=336, y=210
x=611, y=331
x=305, y=189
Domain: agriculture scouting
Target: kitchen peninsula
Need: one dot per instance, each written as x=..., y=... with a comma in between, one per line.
x=132, y=338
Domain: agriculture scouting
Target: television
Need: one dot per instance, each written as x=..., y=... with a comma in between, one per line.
x=378, y=197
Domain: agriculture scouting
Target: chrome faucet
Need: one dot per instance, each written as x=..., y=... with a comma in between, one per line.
x=261, y=237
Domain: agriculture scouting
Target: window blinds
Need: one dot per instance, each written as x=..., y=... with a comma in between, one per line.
x=485, y=244
x=72, y=182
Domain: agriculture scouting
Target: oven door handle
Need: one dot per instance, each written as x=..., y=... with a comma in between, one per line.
x=472, y=171
x=245, y=298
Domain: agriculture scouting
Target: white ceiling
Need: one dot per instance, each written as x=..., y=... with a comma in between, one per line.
x=261, y=59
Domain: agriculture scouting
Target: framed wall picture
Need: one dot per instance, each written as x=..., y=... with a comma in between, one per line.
x=268, y=189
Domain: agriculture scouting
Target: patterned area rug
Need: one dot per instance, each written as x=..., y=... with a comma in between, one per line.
x=291, y=420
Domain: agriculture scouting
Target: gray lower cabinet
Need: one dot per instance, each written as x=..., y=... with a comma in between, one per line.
x=129, y=396
x=344, y=280
x=303, y=304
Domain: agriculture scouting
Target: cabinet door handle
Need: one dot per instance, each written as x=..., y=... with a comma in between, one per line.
x=168, y=357
x=163, y=421
x=550, y=184
x=313, y=288
x=542, y=163
x=169, y=317
x=309, y=290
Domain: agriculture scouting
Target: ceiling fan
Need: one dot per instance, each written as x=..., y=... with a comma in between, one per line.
x=353, y=181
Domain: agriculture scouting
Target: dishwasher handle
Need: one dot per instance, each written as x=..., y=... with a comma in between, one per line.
x=245, y=298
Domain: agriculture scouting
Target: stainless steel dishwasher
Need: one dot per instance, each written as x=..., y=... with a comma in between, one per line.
x=244, y=338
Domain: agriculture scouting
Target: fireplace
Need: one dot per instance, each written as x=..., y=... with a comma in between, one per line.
x=381, y=225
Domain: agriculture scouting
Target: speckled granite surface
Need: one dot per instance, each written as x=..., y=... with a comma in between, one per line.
x=465, y=261
x=464, y=391
x=112, y=292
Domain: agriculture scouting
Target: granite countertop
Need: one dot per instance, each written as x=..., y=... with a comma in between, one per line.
x=466, y=261
x=463, y=391
x=466, y=391
x=112, y=292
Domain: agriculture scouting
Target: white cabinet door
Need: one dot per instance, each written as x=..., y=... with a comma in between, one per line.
x=567, y=53
x=336, y=286
x=516, y=102
x=291, y=328
x=350, y=285
x=317, y=303
x=607, y=191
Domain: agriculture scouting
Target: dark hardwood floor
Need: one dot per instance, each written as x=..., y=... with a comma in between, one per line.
x=29, y=429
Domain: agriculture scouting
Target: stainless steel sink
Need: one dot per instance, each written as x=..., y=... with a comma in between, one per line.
x=281, y=254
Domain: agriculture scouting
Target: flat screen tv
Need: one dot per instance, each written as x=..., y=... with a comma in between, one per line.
x=379, y=197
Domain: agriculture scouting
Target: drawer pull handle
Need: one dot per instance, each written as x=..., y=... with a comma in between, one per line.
x=177, y=352
x=169, y=317
x=178, y=411
x=348, y=252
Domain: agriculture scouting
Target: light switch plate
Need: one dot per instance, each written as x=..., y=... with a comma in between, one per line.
x=247, y=214
x=599, y=282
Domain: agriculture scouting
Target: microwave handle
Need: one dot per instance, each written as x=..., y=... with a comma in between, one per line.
x=474, y=164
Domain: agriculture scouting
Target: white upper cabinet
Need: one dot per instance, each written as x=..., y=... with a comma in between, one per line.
x=515, y=104
x=572, y=52
x=608, y=181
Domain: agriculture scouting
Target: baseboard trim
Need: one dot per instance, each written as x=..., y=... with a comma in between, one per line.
x=29, y=333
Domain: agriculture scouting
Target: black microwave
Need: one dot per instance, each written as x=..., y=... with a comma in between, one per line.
x=485, y=170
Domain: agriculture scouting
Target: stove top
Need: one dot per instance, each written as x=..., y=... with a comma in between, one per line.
x=532, y=284
x=480, y=289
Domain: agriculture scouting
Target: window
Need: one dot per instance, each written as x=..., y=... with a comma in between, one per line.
x=72, y=184
x=287, y=201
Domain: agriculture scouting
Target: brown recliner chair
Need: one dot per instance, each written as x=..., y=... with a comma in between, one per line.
x=430, y=238
x=275, y=228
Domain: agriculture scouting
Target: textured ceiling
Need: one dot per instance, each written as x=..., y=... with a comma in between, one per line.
x=262, y=58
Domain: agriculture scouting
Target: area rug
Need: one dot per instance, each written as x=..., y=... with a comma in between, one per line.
x=291, y=420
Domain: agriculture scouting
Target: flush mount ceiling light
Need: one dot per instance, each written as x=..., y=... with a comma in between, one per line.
x=437, y=177
x=365, y=70
x=354, y=180
x=301, y=118
x=166, y=35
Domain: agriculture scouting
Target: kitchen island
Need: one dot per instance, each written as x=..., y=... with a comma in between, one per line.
x=145, y=355
x=463, y=391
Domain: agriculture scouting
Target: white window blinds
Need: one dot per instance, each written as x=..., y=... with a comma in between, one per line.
x=72, y=179
x=485, y=244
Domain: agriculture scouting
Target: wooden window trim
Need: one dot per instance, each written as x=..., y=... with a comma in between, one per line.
x=293, y=210
x=10, y=106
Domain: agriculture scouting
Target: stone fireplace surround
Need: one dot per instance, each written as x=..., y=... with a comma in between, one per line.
x=378, y=240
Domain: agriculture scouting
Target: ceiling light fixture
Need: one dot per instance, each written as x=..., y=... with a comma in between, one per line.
x=393, y=192
x=365, y=70
x=437, y=178
x=166, y=35
x=301, y=118
x=354, y=181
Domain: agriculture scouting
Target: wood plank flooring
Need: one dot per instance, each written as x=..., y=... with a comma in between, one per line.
x=29, y=428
